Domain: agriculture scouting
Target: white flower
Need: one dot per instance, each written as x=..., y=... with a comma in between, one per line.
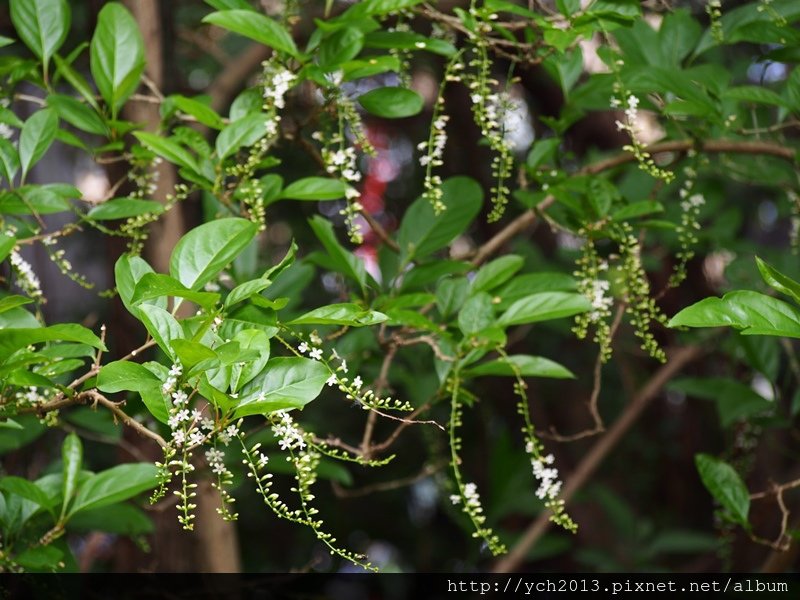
x=316, y=354
x=332, y=380
x=357, y=382
x=302, y=348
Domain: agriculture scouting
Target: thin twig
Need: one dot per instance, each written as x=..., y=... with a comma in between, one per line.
x=386, y=486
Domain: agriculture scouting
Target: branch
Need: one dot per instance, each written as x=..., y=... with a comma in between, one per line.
x=527, y=218
x=678, y=359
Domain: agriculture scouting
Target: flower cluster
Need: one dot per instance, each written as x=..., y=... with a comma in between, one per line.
x=630, y=106
x=27, y=280
x=714, y=12
x=591, y=275
x=63, y=264
x=224, y=478
x=549, y=484
x=691, y=203
x=277, y=81
x=137, y=228
x=489, y=112
x=290, y=437
x=636, y=287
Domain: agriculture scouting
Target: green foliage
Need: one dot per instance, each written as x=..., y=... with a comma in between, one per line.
x=353, y=116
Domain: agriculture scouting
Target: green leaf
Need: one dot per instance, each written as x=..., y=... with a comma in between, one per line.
x=13, y=339
x=477, y=314
x=315, y=188
x=750, y=312
x=128, y=270
x=725, y=485
x=36, y=137
x=242, y=133
x=42, y=24
x=374, y=8
x=9, y=161
x=392, y=102
x=123, y=375
x=72, y=461
x=450, y=295
x=76, y=80
x=246, y=290
x=342, y=45
x=26, y=489
x=778, y=281
x=496, y=272
x=202, y=253
x=78, y=114
x=543, y=307
x=406, y=40
x=10, y=302
x=35, y=558
x=156, y=285
x=123, y=208
x=422, y=232
x=637, y=209
x=287, y=383
x=351, y=315
x=115, y=485
x=255, y=26
x=345, y=262
x=735, y=401
x=756, y=95
x=122, y=519
x=116, y=55
x=542, y=152
x=525, y=365
x=199, y=110
x=168, y=148
x=161, y=325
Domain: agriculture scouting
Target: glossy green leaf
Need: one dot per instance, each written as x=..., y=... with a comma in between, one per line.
x=392, y=102
x=116, y=55
x=315, y=188
x=13, y=301
x=374, y=8
x=522, y=364
x=255, y=26
x=199, y=110
x=156, y=285
x=78, y=114
x=496, y=272
x=241, y=133
x=351, y=315
x=167, y=148
x=161, y=325
x=407, y=40
x=36, y=136
x=202, y=253
x=637, y=209
x=76, y=80
x=128, y=270
x=124, y=208
x=543, y=307
x=345, y=262
x=9, y=160
x=14, y=339
x=342, y=45
x=750, y=312
x=26, y=489
x=476, y=314
x=123, y=375
x=115, y=485
x=778, y=281
x=450, y=295
x=287, y=383
x=725, y=485
x=71, y=463
x=422, y=232
x=42, y=24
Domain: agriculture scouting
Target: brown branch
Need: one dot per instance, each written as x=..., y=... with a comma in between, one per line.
x=97, y=398
x=527, y=218
x=678, y=359
x=381, y=383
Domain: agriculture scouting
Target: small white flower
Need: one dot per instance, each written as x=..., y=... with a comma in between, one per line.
x=332, y=380
x=302, y=348
x=316, y=354
x=357, y=382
